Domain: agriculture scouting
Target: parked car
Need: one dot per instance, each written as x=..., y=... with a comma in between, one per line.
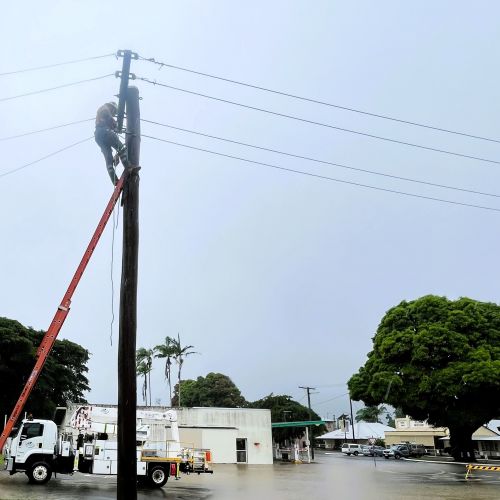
x=351, y=449
x=397, y=451
x=406, y=450
x=371, y=450
x=417, y=450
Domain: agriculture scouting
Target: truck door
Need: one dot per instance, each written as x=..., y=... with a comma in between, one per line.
x=30, y=439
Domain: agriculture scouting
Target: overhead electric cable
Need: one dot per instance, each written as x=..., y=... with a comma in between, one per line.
x=45, y=157
x=47, y=66
x=324, y=177
x=316, y=101
x=55, y=88
x=320, y=124
x=8, y=138
x=324, y=162
x=331, y=399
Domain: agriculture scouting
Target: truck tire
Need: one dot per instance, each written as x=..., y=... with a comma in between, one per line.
x=157, y=476
x=39, y=473
x=397, y=456
x=355, y=453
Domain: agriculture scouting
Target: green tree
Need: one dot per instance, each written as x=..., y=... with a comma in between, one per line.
x=167, y=351
x=285, y=409
x=438, y=360
x=144, y=366
x=370, y=414
x=214, y=390
x=391, y=418
x=141, y=370
x=62, y=379
x=180, y=353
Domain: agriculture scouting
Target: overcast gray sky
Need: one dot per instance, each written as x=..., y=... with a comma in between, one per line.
x=277, y=279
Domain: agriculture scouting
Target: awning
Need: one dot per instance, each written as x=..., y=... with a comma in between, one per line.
x=306, y=423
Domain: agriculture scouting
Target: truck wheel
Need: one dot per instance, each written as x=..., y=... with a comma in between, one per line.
x=40, y=473
x=157, y=476
x=355, y=453
x=397, y=456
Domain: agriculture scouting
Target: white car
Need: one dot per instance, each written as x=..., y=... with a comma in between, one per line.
x=351, y=449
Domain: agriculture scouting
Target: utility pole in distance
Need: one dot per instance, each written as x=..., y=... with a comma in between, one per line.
x=309, y=389
x=127, y=381
x=352, y=420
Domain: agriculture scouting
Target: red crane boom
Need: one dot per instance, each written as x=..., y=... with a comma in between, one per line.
x=61, y=313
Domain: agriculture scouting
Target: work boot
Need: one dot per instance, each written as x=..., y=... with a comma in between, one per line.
x=112, y=174
x=123, y=154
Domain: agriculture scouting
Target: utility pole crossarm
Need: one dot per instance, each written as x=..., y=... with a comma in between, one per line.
x=124, y=75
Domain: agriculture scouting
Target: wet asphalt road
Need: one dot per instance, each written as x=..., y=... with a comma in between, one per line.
x=332, y=476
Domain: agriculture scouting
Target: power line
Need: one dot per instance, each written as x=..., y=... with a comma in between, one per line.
x=324, y=177
x=331, y=399
x=8, y=138
x=316, y=101
x=324, y=162
x=47, y=66
x=320, y=124
x=55, y=88
x=44, y=157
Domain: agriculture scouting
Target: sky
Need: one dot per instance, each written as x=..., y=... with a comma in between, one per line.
x=278, y=279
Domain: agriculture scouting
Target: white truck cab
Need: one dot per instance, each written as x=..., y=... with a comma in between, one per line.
x=38, y=451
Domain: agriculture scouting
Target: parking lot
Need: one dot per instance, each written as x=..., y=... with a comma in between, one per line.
x=331, y=476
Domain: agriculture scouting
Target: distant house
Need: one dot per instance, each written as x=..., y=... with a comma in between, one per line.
x=364, y=432
x=486, y=439
x=416, y=431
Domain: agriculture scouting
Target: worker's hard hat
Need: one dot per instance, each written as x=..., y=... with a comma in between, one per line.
x=113, y=107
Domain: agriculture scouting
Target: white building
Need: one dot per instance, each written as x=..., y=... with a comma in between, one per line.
x=234, y=435
x=364, y=432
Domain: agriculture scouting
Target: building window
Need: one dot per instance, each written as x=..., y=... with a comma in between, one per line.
x=241, y=450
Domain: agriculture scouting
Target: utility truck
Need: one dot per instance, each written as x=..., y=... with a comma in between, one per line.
x=88, y=444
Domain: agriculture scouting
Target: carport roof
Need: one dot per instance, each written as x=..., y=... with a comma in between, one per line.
x=362, y=430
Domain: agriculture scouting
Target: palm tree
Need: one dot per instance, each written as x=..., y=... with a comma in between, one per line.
x=180, y=353
x=144, y=360
x=142, y=371
x=370, y=414
x=167, y=351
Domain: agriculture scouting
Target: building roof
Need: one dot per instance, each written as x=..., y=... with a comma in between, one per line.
x=494, y=426
x=362, y=430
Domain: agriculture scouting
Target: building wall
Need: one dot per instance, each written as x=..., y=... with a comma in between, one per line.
x=216, y=429
x=254, y=425
x=418, y=437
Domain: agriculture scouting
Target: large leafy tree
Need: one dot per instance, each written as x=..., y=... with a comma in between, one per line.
x=438, y=360
x=63, y=377
x=285, y=409
x=216, y=390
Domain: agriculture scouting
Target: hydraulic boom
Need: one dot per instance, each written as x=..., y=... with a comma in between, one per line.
x=61, y=313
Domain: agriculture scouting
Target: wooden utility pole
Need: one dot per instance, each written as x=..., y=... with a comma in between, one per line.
x=352, y=420
x=308, y=389
x=127, y=381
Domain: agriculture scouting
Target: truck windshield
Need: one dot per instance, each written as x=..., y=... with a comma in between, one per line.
x=31, y=430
